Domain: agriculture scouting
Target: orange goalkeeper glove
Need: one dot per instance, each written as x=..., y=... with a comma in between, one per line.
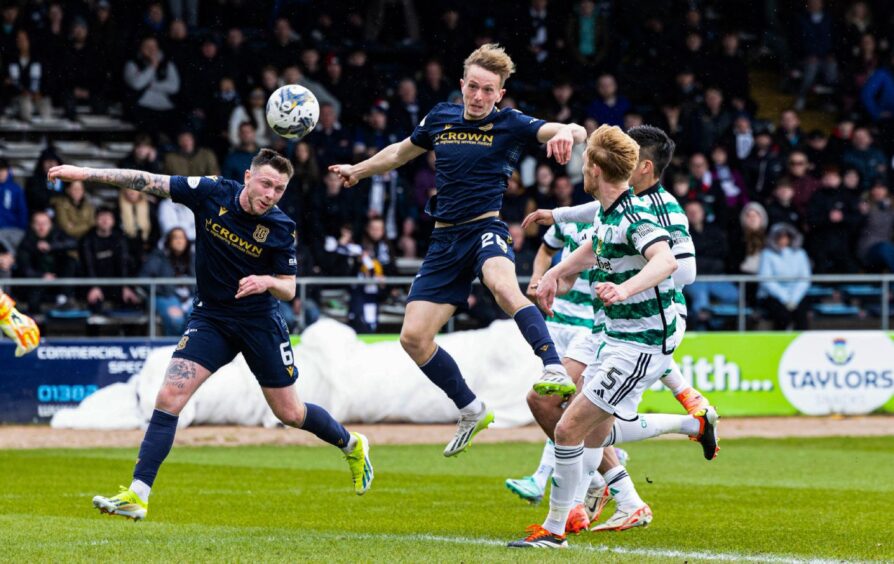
x=18, y=326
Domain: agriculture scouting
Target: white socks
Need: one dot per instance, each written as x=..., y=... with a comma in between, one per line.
x=565, y=481
x=590, y=462
x=473, y=408
x=674, y=379
x=352, y=444
x=597, y=481
x=547, y=465
x=141, y=489
x=650, y=425
x=620, y=486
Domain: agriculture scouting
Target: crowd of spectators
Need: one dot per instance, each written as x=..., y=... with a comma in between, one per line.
x=193, y=77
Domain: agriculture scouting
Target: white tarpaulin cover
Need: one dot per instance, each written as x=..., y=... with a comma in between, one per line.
x=355, y=381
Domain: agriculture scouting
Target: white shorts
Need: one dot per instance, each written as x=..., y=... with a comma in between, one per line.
x=583, y=348
x=564, y=335
x=616, y=382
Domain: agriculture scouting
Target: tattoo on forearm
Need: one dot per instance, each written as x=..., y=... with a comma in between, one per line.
x=153, y=184
x=180, y=372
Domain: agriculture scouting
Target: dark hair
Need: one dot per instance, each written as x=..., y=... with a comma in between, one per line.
x=104, y=209
x=654, y=145
x=275, y=160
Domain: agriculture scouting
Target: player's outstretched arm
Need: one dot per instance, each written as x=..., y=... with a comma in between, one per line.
x=153, y=184
x=575, y=263
x=391, y=157
x=583, y=213
x=542, y=261
x=661, y=264
x=18, y=326
x=559, y=138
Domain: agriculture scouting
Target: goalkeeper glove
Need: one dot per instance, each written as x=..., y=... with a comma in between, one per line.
x=18, y=326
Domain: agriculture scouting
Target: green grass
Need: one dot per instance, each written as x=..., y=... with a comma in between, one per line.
x=761, y=499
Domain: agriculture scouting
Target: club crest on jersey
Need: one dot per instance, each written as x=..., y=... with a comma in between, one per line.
x=260, y=234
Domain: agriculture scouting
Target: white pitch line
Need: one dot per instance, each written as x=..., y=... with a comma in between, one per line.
x=654, y=552
x=619, y=550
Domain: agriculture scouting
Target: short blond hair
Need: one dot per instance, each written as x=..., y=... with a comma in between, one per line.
x=493, y=58
x=614, y=151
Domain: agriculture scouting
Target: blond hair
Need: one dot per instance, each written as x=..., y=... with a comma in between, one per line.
x=493, y=58
x=615, y=152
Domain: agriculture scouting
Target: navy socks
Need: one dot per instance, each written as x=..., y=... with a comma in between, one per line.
x=320, y=423
x=156, y=445
x=442, y=370
x=532, y=326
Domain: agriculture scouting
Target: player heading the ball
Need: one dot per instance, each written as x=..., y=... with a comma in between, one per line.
x=477, y=147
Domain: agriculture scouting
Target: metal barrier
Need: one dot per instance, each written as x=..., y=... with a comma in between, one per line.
x=883, y=280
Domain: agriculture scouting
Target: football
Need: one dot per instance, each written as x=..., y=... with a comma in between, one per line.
x=292, y=111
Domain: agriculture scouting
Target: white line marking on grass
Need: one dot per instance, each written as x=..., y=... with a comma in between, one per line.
x=652, y=552
x=479, y=541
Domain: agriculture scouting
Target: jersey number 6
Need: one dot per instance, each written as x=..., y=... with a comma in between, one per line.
x=285, y=350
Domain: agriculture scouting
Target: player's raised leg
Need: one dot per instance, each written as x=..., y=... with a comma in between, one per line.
x=312, y=418
x=498, y=274
x=422, y=322
x=182, y=378
x=691, y=399
x=700, y=427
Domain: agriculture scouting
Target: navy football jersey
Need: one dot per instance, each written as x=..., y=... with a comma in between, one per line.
x=232, y=244
x=474, y=158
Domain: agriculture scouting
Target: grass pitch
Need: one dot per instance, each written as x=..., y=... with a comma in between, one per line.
x=761, y=500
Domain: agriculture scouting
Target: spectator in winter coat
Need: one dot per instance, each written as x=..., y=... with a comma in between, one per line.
x=875, y=248
x=804, y=184
x=74, y=212
x=13, y=210
x=609, y=108
x=26, y=76
x=784, y=301
x=869, y=161
x=833, y=217
x=173, y=303
x=252, y=111
x=144, y=156
x=39, y=190
x=730, y=179
x=749, y=239
x=44, y=253
x=781, y=209
x=762, y=167
x=104, y=254
x=190, y=160
x=151, y=82
x=710, y=258
x=239, y=158
x=877, y=95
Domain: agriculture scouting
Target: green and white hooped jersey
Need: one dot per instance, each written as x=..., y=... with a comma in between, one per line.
x=574, y=308
x=647, y=320
x=672, y=217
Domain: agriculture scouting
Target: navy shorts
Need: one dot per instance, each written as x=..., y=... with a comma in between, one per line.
x=455, y=257
x=213, y=340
